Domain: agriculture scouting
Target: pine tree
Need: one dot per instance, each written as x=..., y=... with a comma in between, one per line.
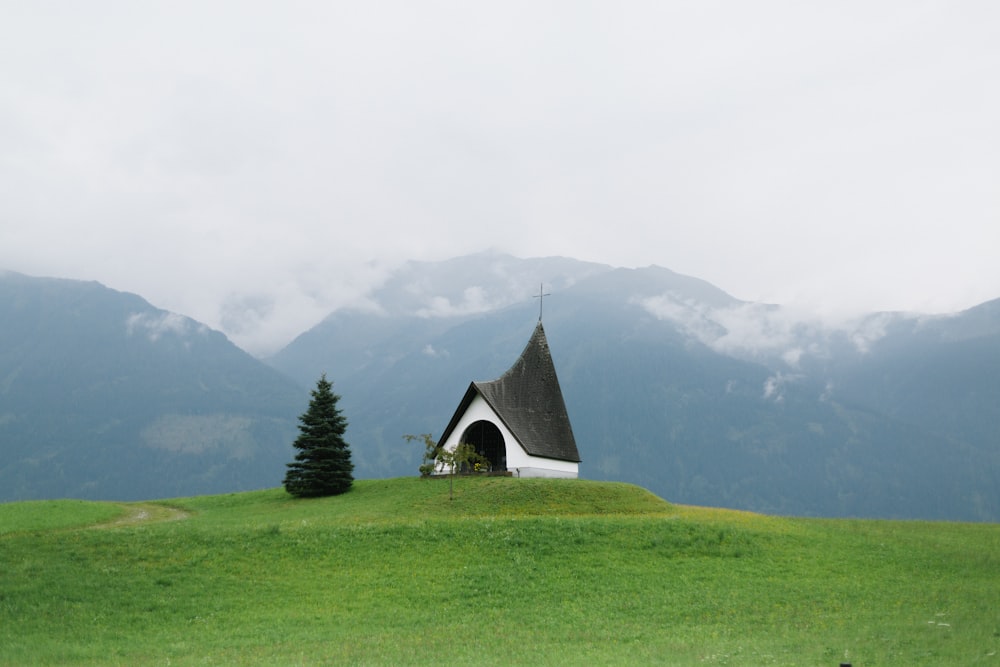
x=322, y=466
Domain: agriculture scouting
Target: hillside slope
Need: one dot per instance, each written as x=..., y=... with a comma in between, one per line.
x=104, y=396
x=510, y=572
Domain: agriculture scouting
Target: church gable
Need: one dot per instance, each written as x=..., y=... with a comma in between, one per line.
x=525, y=406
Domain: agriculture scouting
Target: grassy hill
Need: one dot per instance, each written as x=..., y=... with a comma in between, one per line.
x=509, y=572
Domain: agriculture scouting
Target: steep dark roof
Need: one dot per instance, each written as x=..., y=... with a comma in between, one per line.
x=528, y=400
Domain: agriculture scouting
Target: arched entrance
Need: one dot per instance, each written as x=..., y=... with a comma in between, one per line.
x=488, y=441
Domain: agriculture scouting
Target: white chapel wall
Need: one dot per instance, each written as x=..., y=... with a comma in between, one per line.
x=519, y=462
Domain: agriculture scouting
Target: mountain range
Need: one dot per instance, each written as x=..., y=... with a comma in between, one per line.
x=103, y=396
x=669, y=382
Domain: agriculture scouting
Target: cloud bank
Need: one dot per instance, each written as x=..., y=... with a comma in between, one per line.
x=256, y=165
x=763, y=331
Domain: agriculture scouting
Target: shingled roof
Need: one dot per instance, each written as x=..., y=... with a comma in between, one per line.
x=528, y=400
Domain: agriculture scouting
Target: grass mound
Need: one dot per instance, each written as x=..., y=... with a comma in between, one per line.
x=509, y=572
x=411, y=499
x=500, y=496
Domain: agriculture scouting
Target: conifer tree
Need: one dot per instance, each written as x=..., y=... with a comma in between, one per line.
x=322, y=465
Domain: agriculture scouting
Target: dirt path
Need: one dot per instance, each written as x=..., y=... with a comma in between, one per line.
x=143, y=513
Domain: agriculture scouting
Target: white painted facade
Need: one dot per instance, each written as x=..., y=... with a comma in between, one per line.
x=519, y=462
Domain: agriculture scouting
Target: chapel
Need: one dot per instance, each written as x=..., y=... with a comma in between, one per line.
x=519, y=421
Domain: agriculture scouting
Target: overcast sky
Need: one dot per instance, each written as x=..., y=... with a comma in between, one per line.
x=255, y=165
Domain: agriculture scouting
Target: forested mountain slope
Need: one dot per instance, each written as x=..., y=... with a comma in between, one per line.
x=104, y=396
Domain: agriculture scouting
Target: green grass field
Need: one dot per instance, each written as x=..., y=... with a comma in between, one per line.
x=509, y=572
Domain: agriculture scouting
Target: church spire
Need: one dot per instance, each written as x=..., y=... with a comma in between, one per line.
x=530, y=402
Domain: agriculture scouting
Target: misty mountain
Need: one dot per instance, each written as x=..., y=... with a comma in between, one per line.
x=669, y=383
x=104, y=396
x=675, y=385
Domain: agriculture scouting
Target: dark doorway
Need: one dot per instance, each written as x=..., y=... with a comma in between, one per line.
x=488, y=441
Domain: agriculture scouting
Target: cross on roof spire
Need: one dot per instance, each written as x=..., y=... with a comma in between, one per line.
x=541, y=297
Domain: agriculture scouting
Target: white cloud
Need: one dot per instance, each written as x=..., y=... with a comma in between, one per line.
x=745, y=329
x=158, y=325
x=870, y=330
x=754, y=330
x=774, y=386
x=474, y=300
x=430, y=351
x=792, y=356
x=771, y=386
